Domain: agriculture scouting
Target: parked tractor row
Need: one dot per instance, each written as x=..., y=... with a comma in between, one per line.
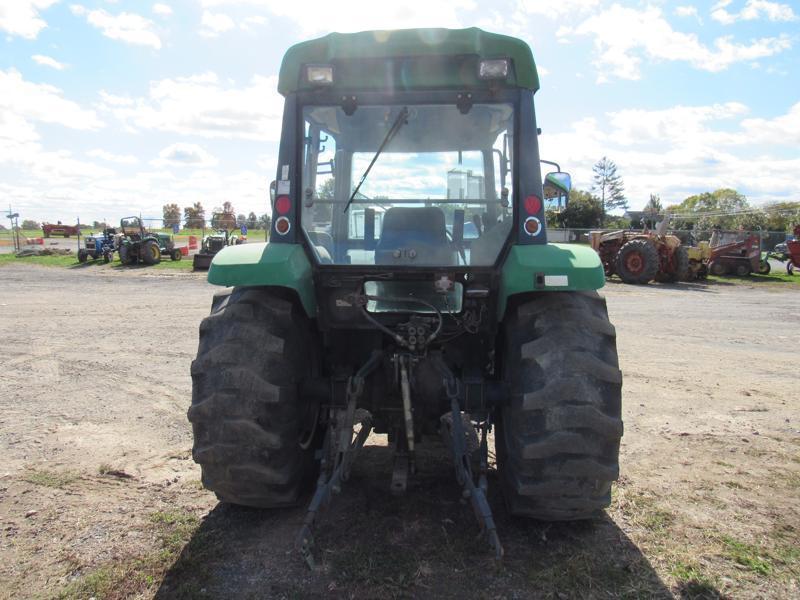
x=644, y=256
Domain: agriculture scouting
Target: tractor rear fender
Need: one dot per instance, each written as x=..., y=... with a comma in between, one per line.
x=534, y=268
x=549, y=268
x=278, y=265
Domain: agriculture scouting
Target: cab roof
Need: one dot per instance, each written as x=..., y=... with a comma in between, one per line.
x=413, y=58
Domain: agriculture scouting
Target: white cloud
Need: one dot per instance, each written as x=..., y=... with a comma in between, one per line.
x=316, y=16
x=126, y=27
x=682, y=150
x=215, y=23
x=686, y=11
x=624, y=36
x=21, y=17
x=162, y=10
x=784, y=129
x=203, y=105
x=122, y=159
x=556, y=9
x=185, y=155
x=753, y=10
x=42, y=102
x=48, y=61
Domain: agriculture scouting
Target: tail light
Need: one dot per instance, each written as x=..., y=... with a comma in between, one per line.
x=533, y=204
x=283, y=205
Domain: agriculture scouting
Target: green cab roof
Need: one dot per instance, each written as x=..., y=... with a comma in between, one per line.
x=353, y=55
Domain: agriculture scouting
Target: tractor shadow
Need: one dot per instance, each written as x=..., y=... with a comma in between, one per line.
x=372, y=544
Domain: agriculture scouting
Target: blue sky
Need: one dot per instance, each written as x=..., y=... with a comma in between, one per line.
x=109, y=108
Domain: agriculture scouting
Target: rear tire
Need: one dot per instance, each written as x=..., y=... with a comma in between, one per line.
x=251, y=425
x=637, y=262
x=558, y=437
x=742, y=270
x=150, y=253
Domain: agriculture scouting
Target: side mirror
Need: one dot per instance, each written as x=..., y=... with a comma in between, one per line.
x=272, y=186
x=557, y=185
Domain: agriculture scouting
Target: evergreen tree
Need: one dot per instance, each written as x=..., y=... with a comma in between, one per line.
x=608, y=187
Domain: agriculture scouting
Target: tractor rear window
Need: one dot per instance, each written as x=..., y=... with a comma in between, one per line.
x=411, y=185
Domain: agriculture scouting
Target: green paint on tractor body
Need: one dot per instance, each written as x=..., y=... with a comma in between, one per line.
x=407, y=59
x=279, y=265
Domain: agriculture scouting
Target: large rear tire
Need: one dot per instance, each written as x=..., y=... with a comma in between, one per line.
x=150, y=252
x=558, y=436
x=254, y=432
x=637, y=262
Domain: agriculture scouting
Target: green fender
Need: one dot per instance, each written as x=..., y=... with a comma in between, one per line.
x=535, y=268
x=281, y=265
x=549, y=268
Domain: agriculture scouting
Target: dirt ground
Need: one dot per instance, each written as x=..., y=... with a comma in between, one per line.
x=99, y=496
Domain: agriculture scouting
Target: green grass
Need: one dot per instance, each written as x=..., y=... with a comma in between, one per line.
x=51, y=479
x=776, y=277
x=140, y=576
x=72, y=262
x=748, y=556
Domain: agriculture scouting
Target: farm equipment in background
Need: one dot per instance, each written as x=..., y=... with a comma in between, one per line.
x=734, y=253
x=96, y=246
x=642, y=256
x=698, y=261
x=50, y=229
x=788, y=252
x=134, y=243
x=213, y=243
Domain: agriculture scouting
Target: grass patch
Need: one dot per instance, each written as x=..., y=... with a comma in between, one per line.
x=71, y=261
x=733, y=485
x=179, y=542
x=47, y=261
x=692, y=582
x=776, y=277
x=641, y=509
x=51, y=479
x=747, y=555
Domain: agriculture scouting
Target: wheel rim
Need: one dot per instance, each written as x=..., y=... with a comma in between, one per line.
x=634, y=263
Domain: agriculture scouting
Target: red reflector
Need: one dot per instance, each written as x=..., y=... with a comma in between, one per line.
x=533, y=226
x=533, y=204
x=282, y=225
x=283, y=204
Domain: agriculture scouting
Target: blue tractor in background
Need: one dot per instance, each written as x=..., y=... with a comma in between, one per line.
x=97, y=246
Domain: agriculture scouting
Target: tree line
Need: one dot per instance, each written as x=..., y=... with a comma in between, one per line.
x=224, y=217
x=724, y=208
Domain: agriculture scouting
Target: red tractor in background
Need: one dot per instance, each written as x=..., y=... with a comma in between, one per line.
x=734, y=253
x=49, y=229
x=642, y=256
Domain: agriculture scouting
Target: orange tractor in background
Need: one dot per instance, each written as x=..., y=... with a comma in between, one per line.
x=642, y=256
x=734, y=253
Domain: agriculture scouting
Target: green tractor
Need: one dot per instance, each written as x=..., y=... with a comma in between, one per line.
x=408, y=289
x=136, y=244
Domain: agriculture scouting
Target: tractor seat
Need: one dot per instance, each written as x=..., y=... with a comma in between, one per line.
x=415, y=236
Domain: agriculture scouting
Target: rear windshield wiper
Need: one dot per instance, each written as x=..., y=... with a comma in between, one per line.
x=398, y=123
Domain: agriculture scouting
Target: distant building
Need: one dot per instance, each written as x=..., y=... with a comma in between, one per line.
x=463, y=185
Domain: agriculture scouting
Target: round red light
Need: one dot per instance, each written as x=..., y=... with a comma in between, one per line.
x=283, y=204
x=282, y=225
x=533, y=204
